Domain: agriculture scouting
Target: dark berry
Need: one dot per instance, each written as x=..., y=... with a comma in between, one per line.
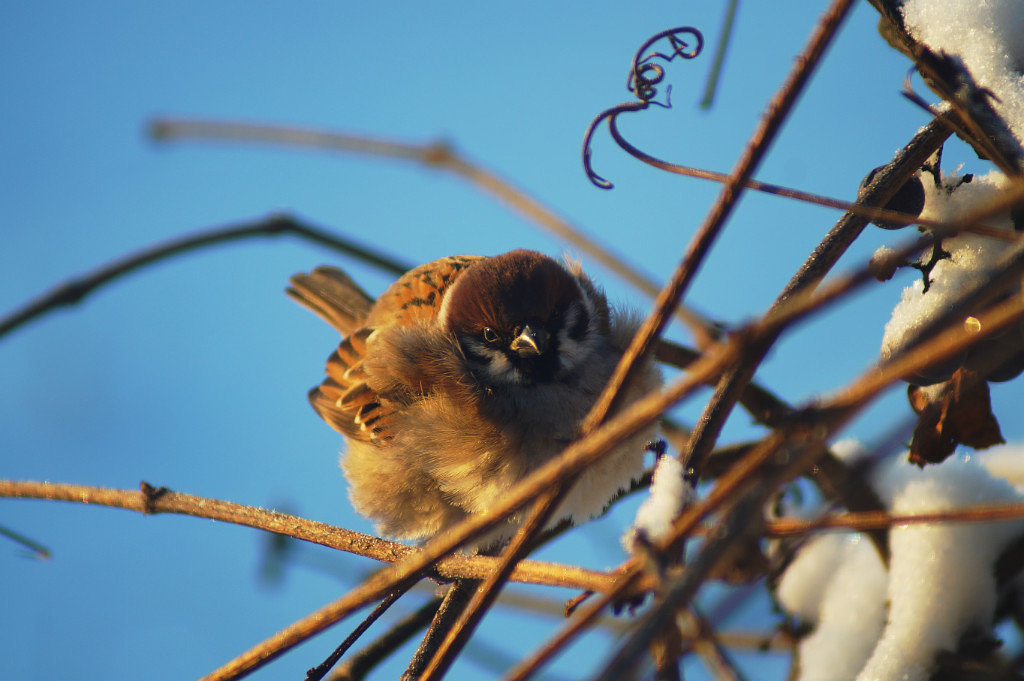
x=938, y=373
x=1008, y=370
x=909, y=199
x=999, y=357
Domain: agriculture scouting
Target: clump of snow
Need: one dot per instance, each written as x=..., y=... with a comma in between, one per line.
x=988, y=35
x=669, y=494
x=817, y=588
x=972, y=257
x=803, y=585
x=940, y=578
x=874, y=625
x=1004, y=462
x=850, y=450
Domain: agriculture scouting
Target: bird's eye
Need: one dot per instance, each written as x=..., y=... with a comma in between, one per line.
x=490, y=335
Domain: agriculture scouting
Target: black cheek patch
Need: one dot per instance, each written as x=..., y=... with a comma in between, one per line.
x=579, y=328
x=472, y=355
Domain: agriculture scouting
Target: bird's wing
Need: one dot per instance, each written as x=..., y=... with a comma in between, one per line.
x=417, y=295
x=345, y=400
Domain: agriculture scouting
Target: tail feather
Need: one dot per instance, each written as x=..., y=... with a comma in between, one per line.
x=333, y=296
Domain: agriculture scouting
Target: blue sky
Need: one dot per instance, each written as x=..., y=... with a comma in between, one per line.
x=193, y=373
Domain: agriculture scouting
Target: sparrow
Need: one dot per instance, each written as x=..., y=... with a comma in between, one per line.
x=468, y=373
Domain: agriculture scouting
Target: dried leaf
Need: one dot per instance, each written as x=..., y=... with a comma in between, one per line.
x=958, y=411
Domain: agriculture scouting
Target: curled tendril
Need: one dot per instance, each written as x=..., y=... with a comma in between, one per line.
x=644, y=77
x=639, y=83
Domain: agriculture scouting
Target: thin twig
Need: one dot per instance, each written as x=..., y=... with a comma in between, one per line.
x=836, y=481
x=318, y=672
x=708, y=645
x=763, y=405
x=455, y=601
x=875, y=520
x=75, y=290
x=37, y=549
x=433, y=155
x=939, y=346
x=361, y=663
x=495, y=659
x=583, y=620
x=665, y=653
x=719, y=58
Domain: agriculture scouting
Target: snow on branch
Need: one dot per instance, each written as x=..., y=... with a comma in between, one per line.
x=872, y=624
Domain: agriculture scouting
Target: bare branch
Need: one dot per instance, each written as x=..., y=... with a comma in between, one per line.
x=709, y=646
x=158, y=501
x=719, y=58
x=38, y=550
x=865, y=210
x=75, y=290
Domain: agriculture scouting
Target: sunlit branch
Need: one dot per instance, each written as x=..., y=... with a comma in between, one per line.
x=436, y=155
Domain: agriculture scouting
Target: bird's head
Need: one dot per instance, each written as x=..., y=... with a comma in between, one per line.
x=521, y=318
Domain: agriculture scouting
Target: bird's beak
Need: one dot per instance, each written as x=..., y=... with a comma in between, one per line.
x=530, y=342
